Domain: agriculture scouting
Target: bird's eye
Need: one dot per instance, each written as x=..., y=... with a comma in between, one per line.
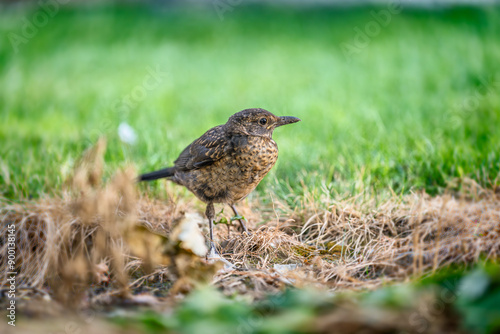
x=263, y=121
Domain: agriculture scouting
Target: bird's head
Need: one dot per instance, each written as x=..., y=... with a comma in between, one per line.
x=258, y=122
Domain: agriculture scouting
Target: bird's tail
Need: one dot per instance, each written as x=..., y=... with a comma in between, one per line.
x=166, y=172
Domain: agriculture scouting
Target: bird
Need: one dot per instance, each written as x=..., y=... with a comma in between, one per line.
x=227, y=162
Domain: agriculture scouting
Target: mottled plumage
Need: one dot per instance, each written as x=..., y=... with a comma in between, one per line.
x=227, y=162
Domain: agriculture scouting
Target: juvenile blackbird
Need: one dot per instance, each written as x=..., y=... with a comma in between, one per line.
x=227, y=162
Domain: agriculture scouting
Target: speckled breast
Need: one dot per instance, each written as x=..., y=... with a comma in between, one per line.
x=236, y=175
x=253, y=161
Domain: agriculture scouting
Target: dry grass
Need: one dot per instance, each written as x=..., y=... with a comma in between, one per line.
x=360, y=245
x=95, y=235
x=94, y=244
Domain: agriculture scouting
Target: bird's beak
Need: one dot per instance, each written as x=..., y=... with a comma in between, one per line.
x=284, y=120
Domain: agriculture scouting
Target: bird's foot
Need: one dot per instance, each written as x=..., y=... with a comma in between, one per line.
x=212, y=252
x=213, y=256
x=244, y=229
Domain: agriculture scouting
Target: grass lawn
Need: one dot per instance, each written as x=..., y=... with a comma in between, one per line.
x=414, y=107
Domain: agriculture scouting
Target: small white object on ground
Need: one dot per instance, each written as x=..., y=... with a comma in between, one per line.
x=127, y=133
x=189, y=234
x=282, y=268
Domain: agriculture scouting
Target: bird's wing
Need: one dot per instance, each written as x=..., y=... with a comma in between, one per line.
x=204, y=151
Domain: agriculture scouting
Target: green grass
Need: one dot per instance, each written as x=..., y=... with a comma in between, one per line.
x=390, y=117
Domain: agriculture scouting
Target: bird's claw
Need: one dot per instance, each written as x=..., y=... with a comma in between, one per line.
x=213, y=256
x=212, y=252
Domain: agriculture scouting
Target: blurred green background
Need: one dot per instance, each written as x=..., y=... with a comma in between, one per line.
x=412, y=105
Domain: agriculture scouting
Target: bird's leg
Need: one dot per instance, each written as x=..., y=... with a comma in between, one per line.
x=240, y=220
x=212, y=253
x=210, y=213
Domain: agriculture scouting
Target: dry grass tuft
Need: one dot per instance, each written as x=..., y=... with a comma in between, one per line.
x=263, y=248
x=63, y=243
x=354, y=244
x=95, y=235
